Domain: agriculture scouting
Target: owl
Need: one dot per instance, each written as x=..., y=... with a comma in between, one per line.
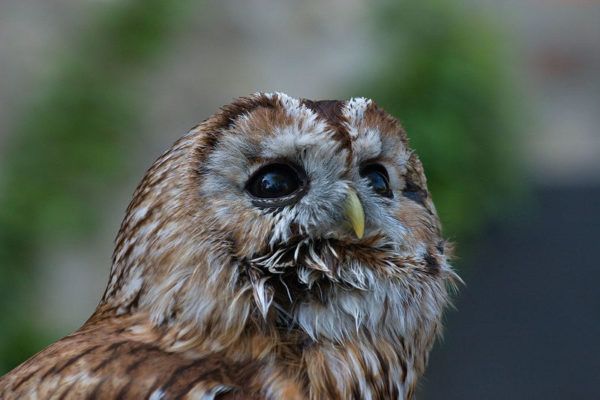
x=282, y=249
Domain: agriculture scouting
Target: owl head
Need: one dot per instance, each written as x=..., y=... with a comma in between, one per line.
x=291, y=216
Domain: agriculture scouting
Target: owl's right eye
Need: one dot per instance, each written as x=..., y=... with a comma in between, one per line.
x=276, y=184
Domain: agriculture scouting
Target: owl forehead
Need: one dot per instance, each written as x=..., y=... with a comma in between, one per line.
x=352, y=131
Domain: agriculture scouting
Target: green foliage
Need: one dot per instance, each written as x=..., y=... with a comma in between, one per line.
x=443, y=72
x=70, y=146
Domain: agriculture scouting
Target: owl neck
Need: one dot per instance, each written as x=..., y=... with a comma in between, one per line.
x=365, y=365
x=375, y=369
x=290, y=366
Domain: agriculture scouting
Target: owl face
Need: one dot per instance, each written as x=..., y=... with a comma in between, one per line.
x=279, y=176
x=306, y=215
x=295, y=184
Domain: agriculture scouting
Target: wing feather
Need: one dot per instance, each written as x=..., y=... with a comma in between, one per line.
x=102, y=363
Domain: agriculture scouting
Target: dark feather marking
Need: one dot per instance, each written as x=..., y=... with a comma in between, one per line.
x=441, y=246
x=404, y=370
x=432, y=263
x=189, y=386
x=26, y=378
x=411, y=393
x=185, y=369
x=50, y=393
x=67, y=391
x=133, y=304
x=114, y=353
x=96, y=391
x=415, y=193
x=123, y=392
x=133, y=366
x=356, y=392
x=331, y=112
x=385, y=371
x=173, y=377
x=70, y=361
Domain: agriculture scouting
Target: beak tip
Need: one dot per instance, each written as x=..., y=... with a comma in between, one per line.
x=355, y=214
x=359, y=231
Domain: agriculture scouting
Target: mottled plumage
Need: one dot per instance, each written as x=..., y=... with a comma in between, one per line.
x=282, y=249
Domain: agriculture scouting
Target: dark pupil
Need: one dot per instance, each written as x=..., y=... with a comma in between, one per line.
x=275, y=181
x=378, y=179
x=275, y=184
x=378, y=182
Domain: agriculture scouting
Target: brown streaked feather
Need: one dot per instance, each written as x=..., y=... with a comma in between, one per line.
x=331, y=111
x=104, y=359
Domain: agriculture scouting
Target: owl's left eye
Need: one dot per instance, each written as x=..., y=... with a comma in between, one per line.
x=276, y=184
x=378, y=178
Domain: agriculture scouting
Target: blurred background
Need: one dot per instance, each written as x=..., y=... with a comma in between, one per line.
x=501, y=99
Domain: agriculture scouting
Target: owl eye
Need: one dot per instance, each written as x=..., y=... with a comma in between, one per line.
x=276, y=184
x=378, y=178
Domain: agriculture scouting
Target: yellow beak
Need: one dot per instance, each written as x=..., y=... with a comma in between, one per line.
x=355, y=213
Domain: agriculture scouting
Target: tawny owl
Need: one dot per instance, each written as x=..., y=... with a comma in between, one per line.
x=282, y=249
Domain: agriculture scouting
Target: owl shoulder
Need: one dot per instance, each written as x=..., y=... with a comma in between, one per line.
x=104, y=362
